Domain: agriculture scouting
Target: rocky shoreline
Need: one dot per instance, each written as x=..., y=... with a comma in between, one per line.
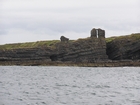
x=126, y=63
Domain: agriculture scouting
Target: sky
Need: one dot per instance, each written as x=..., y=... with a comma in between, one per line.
x=39, y=20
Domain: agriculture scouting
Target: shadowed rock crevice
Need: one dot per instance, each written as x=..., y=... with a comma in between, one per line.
x=53, y=57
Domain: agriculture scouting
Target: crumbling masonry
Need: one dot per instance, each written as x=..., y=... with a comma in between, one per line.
x=97, y=33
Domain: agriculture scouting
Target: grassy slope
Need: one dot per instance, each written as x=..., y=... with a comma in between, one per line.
x=131, y=37
x=53, y=42
x=29, y=45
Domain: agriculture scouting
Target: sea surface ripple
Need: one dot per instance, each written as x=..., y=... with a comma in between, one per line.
x=51, y=85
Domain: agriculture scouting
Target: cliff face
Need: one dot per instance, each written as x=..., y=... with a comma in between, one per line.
x=88, y=50
x=27, y=54
x=124, y=47
x=83, y=50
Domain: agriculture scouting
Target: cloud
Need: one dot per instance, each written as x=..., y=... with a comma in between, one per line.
x=32, y=20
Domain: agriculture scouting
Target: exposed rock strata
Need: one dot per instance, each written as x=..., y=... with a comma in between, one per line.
x=124, y=48
x=82, y=50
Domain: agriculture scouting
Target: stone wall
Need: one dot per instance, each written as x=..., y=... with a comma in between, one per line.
x=97, y=33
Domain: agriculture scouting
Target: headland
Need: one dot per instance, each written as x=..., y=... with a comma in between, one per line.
x=94, y=51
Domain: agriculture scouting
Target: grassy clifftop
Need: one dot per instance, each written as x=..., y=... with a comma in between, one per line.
x=51, y=43
x=127, y=37
x=29, y=45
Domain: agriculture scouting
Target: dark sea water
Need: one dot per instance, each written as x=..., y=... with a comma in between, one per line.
x=32, y=85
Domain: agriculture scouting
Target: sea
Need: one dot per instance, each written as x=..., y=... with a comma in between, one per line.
x=56, y=85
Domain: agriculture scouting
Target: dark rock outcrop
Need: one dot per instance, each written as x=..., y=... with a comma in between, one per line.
x=27, y=54
x=82, y=50
x=64, y=39
x=124, y=48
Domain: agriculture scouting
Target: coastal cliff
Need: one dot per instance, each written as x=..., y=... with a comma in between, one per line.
x=87, y=50
x=95, y=50
x=124, y=47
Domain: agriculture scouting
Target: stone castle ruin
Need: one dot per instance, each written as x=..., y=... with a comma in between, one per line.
x=97, y=33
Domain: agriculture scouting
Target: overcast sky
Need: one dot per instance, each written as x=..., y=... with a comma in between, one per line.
x=35, y=20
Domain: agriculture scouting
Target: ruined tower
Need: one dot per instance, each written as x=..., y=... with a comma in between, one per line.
x=101, y=33
x=94, y=33
x=97, y=33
